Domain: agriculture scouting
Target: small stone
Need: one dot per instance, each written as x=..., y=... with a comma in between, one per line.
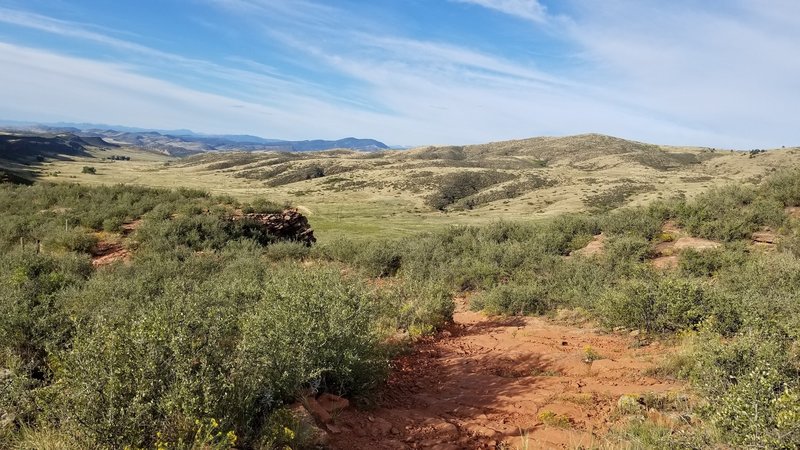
x=316, y=410
x=333, y=403
x=380, y=427
x=479, y=430
x=446, y=429
x=634, y=333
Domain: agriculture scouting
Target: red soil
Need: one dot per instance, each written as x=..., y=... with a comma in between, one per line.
x=594, y=247
x=485, y=382
x=667, y=252
x=112, y=250
x=108, y=252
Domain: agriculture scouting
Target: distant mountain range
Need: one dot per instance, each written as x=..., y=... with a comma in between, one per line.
x=176, y=142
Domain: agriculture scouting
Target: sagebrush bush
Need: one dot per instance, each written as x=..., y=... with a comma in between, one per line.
x=287, y=250
x=515, y=299
x=664, y=303
x=785, y=187
x=417, y=307
x=620, y=249
x=227, y=340
x=635, y=222
x=707, y=262
x=730, y=213
x=750, y=384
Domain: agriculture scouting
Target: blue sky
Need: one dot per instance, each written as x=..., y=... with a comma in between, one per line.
x=411, y=72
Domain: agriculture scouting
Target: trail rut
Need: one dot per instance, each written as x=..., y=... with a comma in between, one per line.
x=492, y=382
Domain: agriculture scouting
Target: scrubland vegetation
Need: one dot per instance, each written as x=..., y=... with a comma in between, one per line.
x=212, y=327
x=195, y=344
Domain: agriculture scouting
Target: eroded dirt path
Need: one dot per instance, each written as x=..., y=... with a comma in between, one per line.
x=490, y=382
x=110, y=249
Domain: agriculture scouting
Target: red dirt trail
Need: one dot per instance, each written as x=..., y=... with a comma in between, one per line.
x=110, y=251
x=484, y=382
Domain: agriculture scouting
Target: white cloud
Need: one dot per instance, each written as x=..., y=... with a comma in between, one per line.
x=258, y=80
x=644, y=69
x=52, y=87
x=731, y=71
x=525, y=9
x=454, y=95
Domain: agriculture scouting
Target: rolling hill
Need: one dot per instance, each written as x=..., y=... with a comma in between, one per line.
x=397, y=192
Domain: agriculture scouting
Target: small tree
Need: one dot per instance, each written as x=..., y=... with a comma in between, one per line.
x=90, y=170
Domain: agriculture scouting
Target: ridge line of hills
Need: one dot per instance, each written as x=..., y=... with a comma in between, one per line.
x=181, y=143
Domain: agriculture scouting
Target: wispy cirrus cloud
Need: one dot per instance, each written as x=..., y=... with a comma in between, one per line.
x=80, y=31
x=228, y=77
x=524, y=9
x=110, y=93
x=678, y=73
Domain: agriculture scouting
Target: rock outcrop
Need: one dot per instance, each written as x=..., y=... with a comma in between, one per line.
x=288, y=225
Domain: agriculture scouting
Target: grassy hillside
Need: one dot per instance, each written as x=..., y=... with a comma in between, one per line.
x=397, y=192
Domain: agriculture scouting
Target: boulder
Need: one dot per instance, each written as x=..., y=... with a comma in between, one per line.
x=288, y=225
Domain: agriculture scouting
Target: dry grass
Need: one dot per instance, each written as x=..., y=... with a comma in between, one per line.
x=384, y=194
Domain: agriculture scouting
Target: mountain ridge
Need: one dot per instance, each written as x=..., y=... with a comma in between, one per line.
x=186, y=142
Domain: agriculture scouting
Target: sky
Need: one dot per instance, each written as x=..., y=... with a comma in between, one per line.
x=716, y=73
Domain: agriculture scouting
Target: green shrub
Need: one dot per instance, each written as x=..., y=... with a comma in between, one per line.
x=456, y=186
x=751, y=385
x=619, y=249
x=665, y=304
x=34, y=325
x=113, y=224
x=632, y=221
x=785, y=187
x=230, y=340
x=309, y=329
x=706, y=263
x=264, y=206
x=515, y=299
x=418, y=307
x=71, y=240
x=342, y=249
x=730, y=213
x=380, y=259
x=287, y=250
